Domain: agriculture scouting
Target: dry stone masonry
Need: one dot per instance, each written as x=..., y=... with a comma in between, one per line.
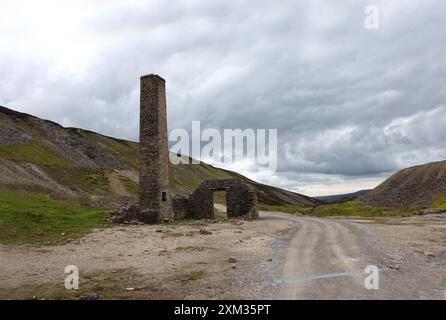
x=154, y=199
x=155, y=202
x=241, y=199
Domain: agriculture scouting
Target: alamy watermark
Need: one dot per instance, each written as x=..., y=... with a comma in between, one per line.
x=371, y=282
x=259, y=145
x=372, y=19
x=72, y=281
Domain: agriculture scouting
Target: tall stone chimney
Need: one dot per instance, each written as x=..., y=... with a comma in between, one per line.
x=154, y=198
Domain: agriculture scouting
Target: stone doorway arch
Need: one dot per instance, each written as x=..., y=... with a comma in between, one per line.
x=241, y=199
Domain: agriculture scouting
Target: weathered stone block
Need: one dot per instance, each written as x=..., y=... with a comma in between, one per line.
x=180, y=207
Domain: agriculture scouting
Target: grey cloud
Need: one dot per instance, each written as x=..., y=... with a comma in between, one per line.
x=348, y=103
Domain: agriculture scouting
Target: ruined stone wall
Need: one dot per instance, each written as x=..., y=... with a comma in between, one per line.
x=154, y=199
x=180, y=207
x=155, y=202
x=241, y=199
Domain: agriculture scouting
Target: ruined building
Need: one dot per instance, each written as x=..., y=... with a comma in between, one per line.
x=241, y=199
x=155, y=202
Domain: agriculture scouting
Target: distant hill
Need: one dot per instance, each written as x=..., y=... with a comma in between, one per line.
x=342, y=197
x=412, y=187
x=41, y=156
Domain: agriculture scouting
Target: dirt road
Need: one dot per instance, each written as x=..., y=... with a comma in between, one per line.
x=327, y=258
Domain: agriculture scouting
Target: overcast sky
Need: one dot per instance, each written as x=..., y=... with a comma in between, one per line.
x=351, y=105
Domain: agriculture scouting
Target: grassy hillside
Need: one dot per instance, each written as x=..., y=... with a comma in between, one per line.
x=40, y=155
x=56, y=182
x=356, y=208
x=419, y=186
x=342, y=197
x=403, y=194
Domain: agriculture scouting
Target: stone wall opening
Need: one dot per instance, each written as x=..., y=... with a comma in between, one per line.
x=220, y=204
x=241, y=199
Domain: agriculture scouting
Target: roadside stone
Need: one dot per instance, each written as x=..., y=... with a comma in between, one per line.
x=98, y=287
x=425, y=212
x=126, y=214
x=394, y=267
x=204, y=231
x=232, y=260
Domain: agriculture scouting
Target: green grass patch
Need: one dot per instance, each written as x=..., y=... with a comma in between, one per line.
x=220, y=197
x=35, y=153
x=126, y=151
x=35, y=218
x=130, y=185
x=220, y=215
x=439, y=201
x=82, y=179
x=105, y=284
x=194, y=275
x=286, y=208
x=356, y=209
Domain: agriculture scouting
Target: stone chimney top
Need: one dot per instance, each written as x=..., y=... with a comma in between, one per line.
x=152, y=76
